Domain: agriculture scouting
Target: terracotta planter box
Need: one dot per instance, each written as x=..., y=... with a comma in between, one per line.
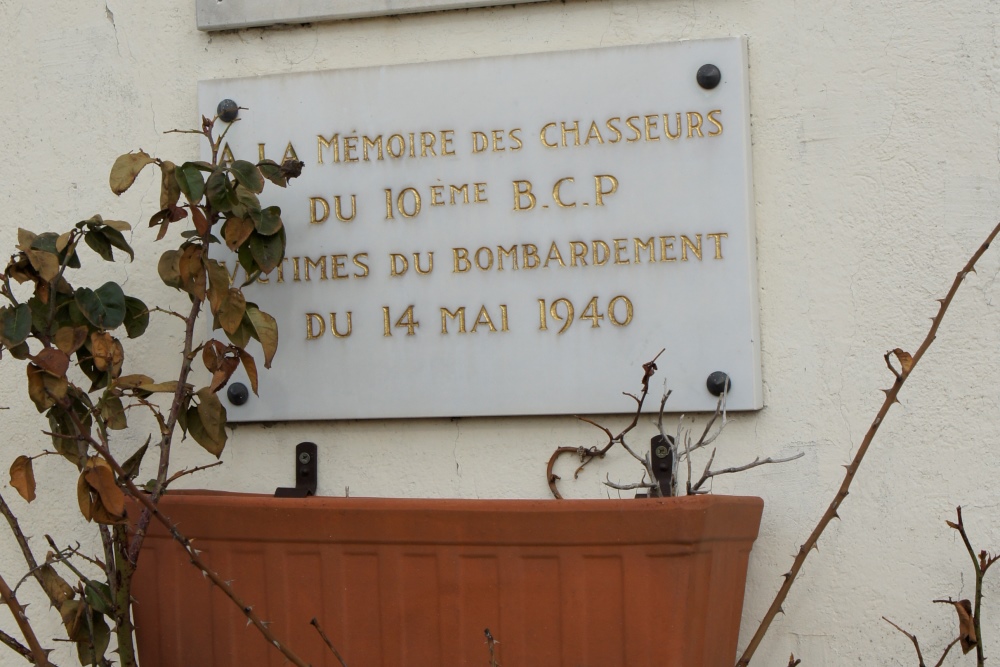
x=413, y=583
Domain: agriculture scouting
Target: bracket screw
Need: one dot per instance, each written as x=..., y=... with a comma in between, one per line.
x=709, y=76
x=237, y=393
x=228, y=110
x=304, y=458
x=718, y=382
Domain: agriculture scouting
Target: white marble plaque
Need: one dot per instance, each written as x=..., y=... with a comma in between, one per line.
x=582, y=210
x=230, y=14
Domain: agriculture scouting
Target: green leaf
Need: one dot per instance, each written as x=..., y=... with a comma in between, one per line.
x=99, y=244
x=113, y=413
x=271, y=170
x=270, y=221
x=268, y=251
x=136, y=317
x=190, y=181
x=15, y=324
x=134, y=462
x=249, y=205
x=98, y=595
x=169, y=268
x=247, y=175
x=117, y=239
x=220, y=192
x=265, y=330
x=93, y=654
x=125, y=170
x=242, y=335
x=207, y=422
x=103, y=307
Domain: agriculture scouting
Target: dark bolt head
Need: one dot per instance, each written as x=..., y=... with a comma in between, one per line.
x=718, y=382
x=304, y=458
x=229, y=110
x=237, y=393
x=709, y=76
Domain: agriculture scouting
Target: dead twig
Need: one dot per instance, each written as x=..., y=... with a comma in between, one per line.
x=709, y=474
x=39, y=655
x=491, y=645
x=315, y=623
x=907, y=364
x=188, y=471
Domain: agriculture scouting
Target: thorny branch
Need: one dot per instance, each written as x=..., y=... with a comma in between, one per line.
x=326, y=640
x=907, y=364
x=39, y=655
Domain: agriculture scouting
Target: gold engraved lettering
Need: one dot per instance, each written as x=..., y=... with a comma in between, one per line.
x=529, y=251
x=357, y=259
x=401, y=203
x=647, y=246
x=489, y=259
x=351, y=149
x=515, y=137
x=479, y=142
x=395, y=146
x=543, y=324
x=460, y=259
x=437, y=194
x=619, y=249
x=409, y=323
x=666, y=126
x=574, y=130
x=667, y=243
x=594, y=133
x=555, y=192
x=687, y=243
x=232, y=274
x=651, y=126
x=317, y=319
x=388, y=204
x=260, y=153
x=386, y=332
x=313, y=217
x=714, y=121
x=459, y=315
x=542, y=137
x=367, y=143
x=554, y=254
x=501, y=253
x=717, y=237
x=694, y=123
x=295, y=270
x=333, y=326
x=290, y=153
x=522, y=189
x=413, y=146
x=281, y=269
x=337, y=262
x=497, y=136
x=447, y=139
x=318, y=264
x=635, y=130
x=628, y=311
x=483, y=318
x=427, y=141
x=430, y=263
x=602, y=253
x=339, y=213
x=333, y=144
x=578, y=251
x=503, y=317
x=599, y=191
x=611, y=125
x=227, y=155
x=464, y=190
x=479, y=193
x=263, y=279
x=395, y=259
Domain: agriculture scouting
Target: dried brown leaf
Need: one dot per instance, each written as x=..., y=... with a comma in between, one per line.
x=905, y=359
x=22, y=477
x=52, y=361
x=70, y=339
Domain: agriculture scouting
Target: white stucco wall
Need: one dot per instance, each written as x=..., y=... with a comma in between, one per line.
x=876, y=150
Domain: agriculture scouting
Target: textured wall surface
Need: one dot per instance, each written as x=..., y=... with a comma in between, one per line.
x=876, y=150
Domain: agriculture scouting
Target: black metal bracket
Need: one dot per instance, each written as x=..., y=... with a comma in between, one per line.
x=661, y=459
x=305, y=473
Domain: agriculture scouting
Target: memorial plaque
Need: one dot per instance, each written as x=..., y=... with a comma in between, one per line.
x=229, y=14
x=507, y=236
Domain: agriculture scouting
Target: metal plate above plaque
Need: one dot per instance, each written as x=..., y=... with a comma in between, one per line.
x=507, y=236
x=230, y=14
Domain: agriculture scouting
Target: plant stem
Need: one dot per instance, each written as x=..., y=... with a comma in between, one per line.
x=122, y=592
x=852, y=469
x=40, y=655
